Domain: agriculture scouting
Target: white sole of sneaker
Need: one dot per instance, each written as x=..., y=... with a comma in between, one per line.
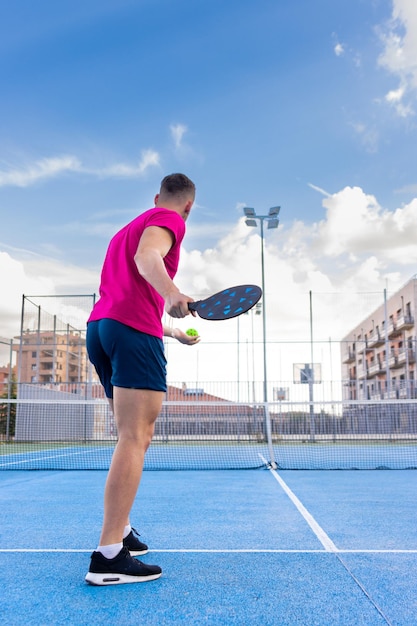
x=138, y=552
x=117, y=579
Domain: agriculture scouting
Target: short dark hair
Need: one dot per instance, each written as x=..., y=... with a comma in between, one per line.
x=177, y=184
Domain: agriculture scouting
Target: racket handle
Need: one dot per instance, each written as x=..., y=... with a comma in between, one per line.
x=192, y=306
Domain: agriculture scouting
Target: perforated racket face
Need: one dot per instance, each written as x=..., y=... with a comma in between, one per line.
x=228, y=303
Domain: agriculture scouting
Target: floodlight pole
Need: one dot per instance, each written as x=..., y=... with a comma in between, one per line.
x=265, y=394
x=272, y=221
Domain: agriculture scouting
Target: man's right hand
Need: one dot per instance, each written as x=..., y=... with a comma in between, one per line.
x=176, y=305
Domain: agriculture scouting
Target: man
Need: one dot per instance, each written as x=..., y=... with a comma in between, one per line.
x=124, y=342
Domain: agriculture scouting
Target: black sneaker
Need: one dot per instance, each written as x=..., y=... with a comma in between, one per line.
x=132, y=543
x=122, y=569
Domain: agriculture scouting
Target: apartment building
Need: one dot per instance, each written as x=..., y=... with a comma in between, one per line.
x=379, y=355
x=51, y=357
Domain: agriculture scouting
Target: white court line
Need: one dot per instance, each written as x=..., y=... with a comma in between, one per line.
x=42, y=458
x=324, y=539
x=206, y=551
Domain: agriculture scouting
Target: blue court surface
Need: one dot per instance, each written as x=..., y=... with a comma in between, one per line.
x=236, y=547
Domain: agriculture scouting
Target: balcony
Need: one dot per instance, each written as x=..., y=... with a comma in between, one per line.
x=402, y=358
x=376, y=368
x=393, y=330
x=404, y=322
x=406, y=356
x=375, y=340
x=47, y=378
x=362, y=371
x=363, y=347
x=349, y=356
x=394, y=362
x=367, y=347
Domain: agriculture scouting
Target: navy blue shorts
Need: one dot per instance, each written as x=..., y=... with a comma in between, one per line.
x=125, y=357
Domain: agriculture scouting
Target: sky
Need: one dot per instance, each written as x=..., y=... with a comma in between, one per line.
x=307, y=105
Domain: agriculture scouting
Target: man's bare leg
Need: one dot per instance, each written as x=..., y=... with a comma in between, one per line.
x=135, y=413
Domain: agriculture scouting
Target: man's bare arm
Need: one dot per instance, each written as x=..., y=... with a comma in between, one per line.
x=154, y=245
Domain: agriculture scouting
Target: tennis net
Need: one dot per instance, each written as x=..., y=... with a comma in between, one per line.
x=71, y=427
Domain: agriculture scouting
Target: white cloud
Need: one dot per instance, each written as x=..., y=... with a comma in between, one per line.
x=395, y=95
x=357, y=225
x=319, y=189
x=56, y=166
x=149, y=158
x=15, y=282
x=343, y=50
x=369, y=136
x=177, y=133
x=408, y=189
x=40, y=170
x=184, y=152
x=400, y=54
x=26, y=273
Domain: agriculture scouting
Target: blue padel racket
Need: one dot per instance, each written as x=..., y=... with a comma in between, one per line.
x=228, y=303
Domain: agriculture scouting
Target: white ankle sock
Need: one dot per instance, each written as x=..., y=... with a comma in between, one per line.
x=127, y=530
x=110, y=551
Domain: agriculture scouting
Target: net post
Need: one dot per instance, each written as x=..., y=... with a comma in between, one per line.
x=268, y=432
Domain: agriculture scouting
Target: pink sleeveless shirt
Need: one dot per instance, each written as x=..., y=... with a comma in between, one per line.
x=125, y=296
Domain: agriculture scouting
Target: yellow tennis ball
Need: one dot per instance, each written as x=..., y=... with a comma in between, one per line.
x=191, y=332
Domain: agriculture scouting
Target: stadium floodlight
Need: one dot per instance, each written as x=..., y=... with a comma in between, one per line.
x=273, y=211
x=273, y=222
x=248, y=211
x=251, y=222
